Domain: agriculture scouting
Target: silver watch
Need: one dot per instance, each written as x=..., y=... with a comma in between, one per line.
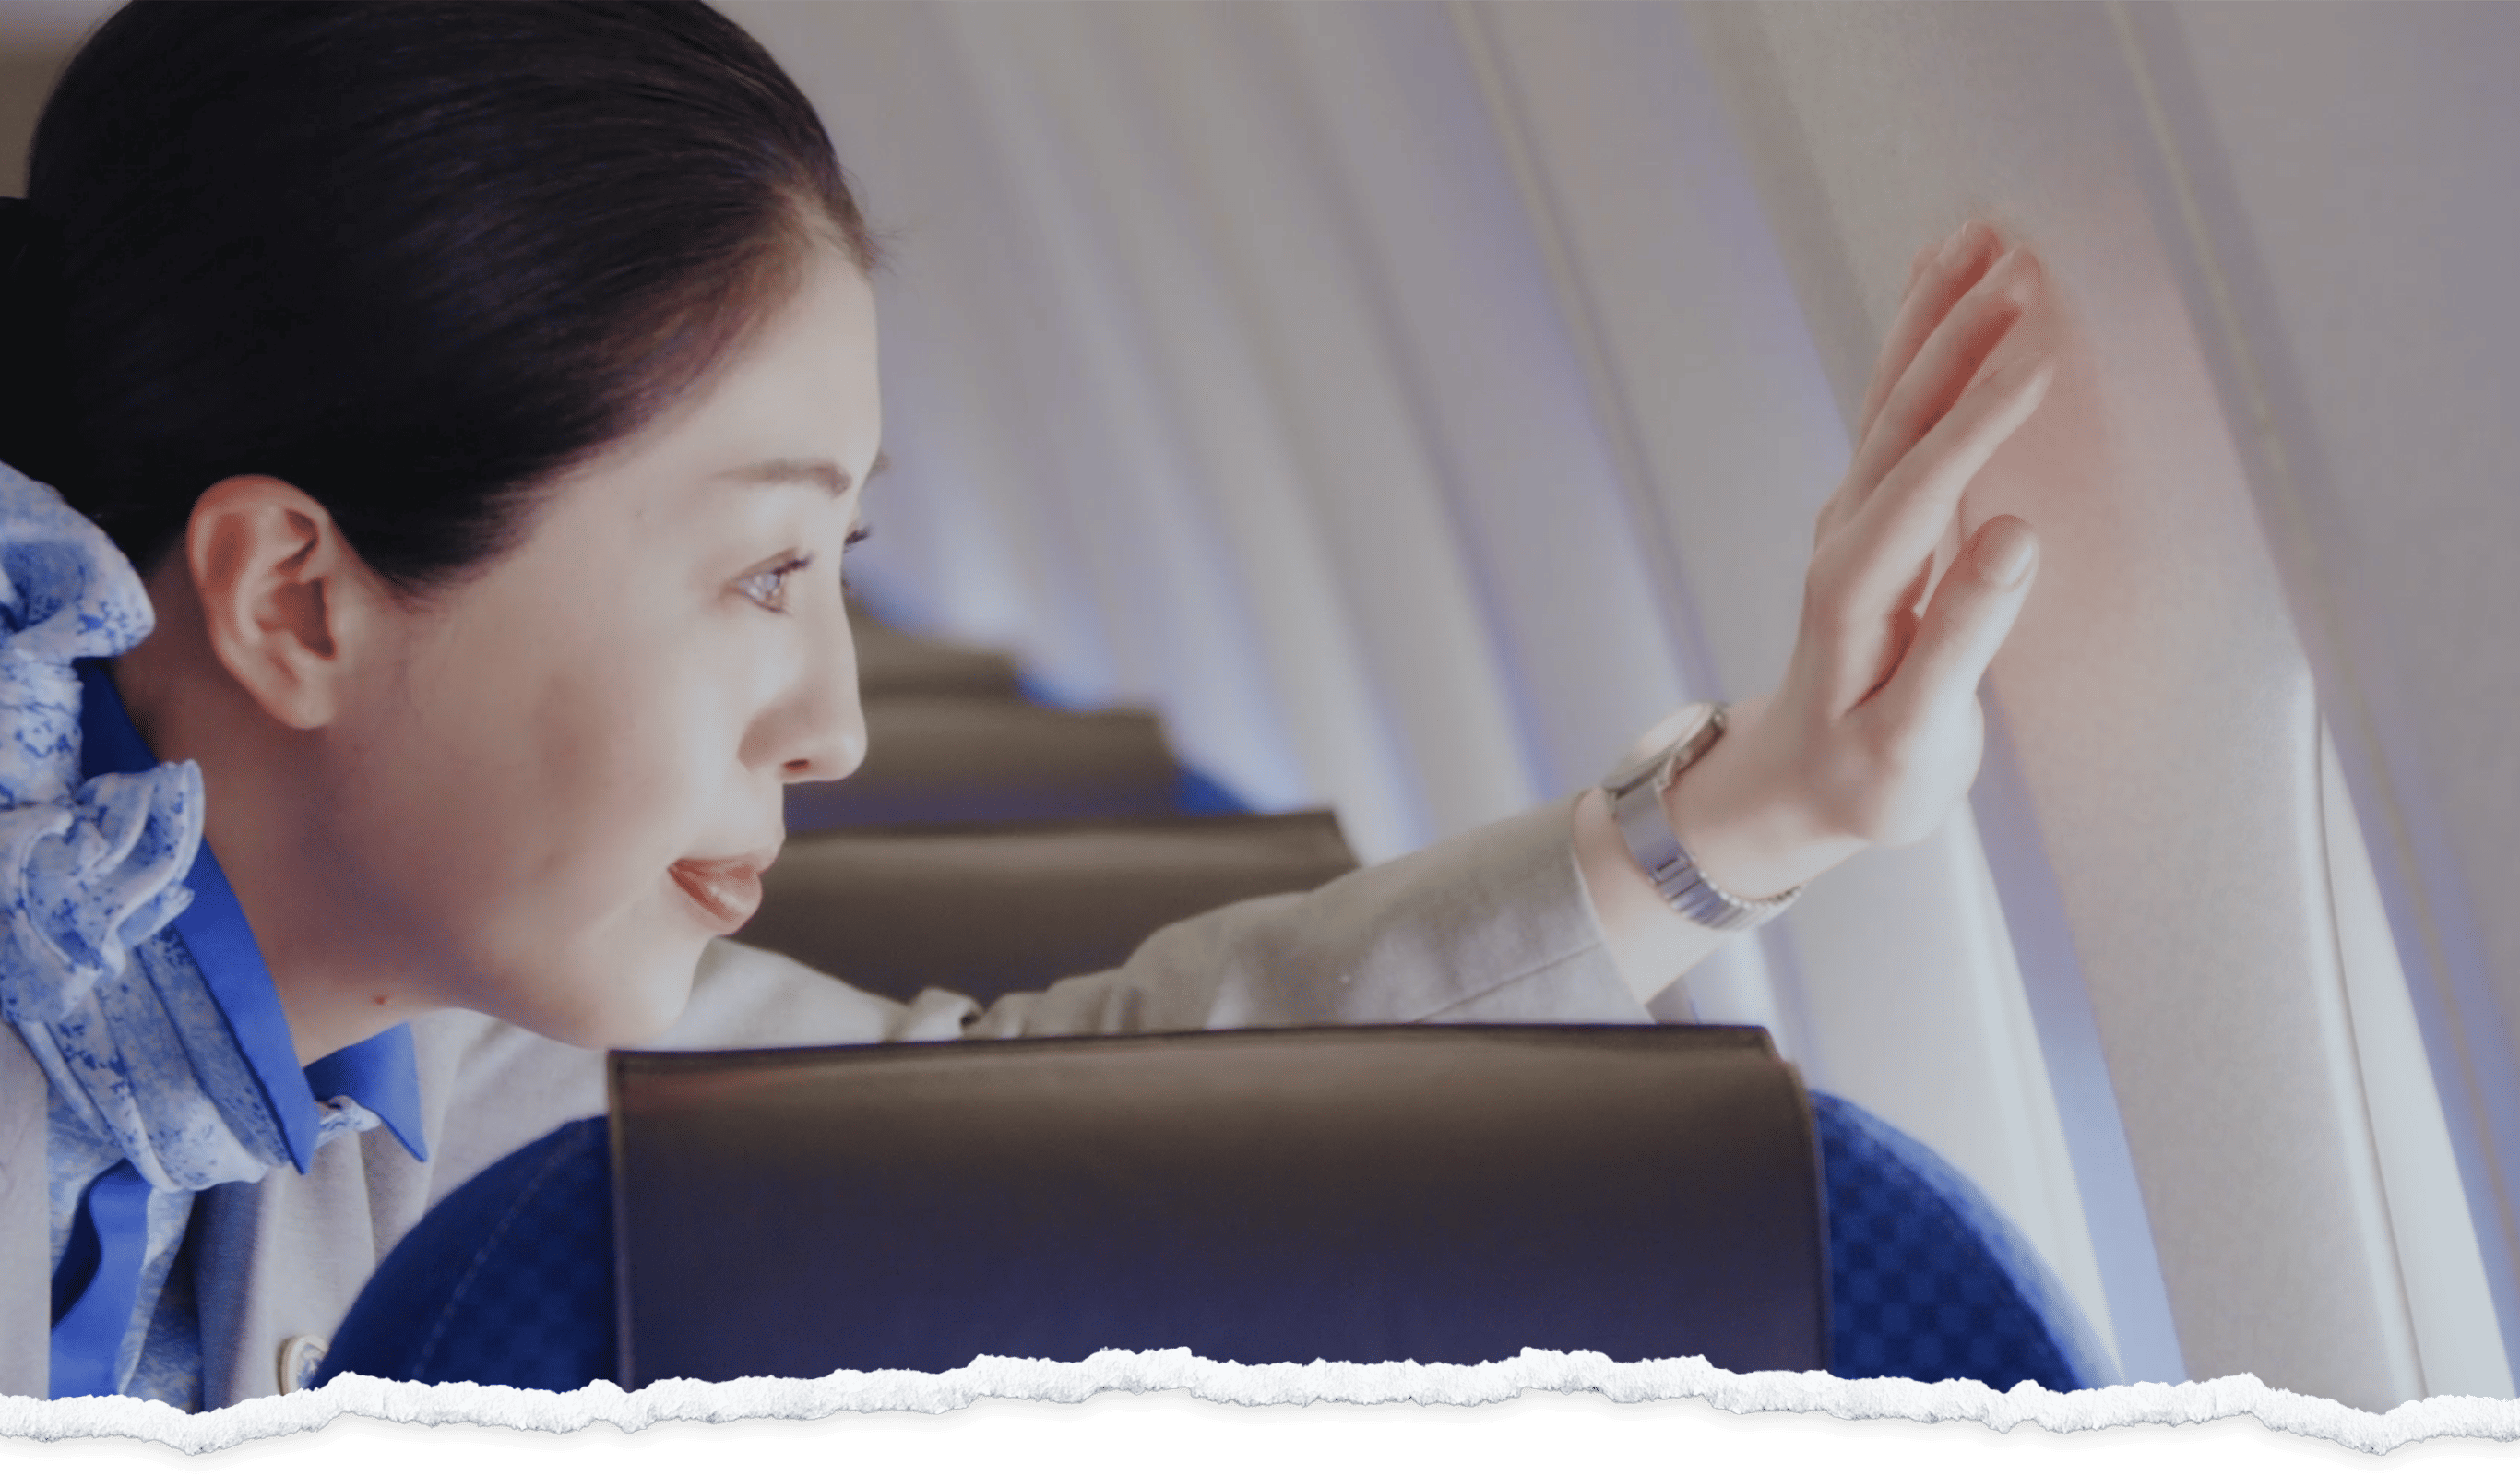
x=1635, y=803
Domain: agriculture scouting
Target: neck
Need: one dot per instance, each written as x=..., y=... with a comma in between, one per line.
x=332, y=950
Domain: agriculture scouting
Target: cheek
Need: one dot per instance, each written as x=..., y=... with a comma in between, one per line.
x=534, y=807
x=615, y=775
x=607, y=768
x=597, y=934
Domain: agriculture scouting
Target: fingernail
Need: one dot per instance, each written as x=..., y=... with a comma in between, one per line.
x=2020, y=274
x=2007, y=557
x=1958, y=245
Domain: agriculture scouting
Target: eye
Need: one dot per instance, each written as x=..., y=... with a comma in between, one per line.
x=769, y=588
x=857, y=535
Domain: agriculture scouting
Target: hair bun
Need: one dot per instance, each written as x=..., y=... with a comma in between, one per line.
x=28, y=248
x=16, y=224
x=33, y=421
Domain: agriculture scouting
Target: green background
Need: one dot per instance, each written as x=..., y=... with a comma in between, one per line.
x=1168, y=1439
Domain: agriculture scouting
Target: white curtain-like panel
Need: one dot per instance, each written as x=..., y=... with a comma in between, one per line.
x=2342, y=178
x=2154, y=692
x=1415, y=401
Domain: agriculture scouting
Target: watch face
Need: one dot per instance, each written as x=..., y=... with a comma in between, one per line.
x=1686, y=727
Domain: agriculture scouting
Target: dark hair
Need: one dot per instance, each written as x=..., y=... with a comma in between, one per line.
x=417, y=258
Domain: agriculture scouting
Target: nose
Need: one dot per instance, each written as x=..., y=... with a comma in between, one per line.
x=824, y=734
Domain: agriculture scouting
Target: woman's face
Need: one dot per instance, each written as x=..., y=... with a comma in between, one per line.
x=566, y=771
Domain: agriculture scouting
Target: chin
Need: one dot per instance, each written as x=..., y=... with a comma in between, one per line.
x=624, y=1004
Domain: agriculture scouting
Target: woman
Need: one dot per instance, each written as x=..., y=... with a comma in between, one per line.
x=457, y=415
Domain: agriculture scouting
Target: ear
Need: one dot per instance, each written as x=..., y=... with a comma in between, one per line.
x=287, y=606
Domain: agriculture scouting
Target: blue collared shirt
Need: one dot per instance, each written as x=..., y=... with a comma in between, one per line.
x=114, y=1250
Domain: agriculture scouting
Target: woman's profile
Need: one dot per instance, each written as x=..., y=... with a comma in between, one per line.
x=432, y=433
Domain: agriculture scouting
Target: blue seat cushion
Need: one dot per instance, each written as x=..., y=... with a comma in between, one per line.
x=1927, y=1280
x=508, y=1280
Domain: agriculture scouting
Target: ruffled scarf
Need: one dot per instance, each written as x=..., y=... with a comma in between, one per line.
x=120, y=1018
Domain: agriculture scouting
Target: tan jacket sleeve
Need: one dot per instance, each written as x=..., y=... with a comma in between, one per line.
x=1491, y=925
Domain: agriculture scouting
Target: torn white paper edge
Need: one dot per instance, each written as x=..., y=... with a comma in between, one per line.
x=1535, y=1369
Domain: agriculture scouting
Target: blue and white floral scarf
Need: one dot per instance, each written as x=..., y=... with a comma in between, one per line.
x=137, y=1053
x=143, y=1062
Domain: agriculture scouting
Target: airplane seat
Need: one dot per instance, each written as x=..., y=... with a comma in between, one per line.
x=1928, y=1279
x=1443, y=1193
x=508, y=1280
x=961, y=756
x=988, y=908
x=955, y=735
x=512, y=1280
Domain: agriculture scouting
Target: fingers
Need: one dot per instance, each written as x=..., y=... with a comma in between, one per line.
x=1942, y=274
x=1964, y=628
x=1898, y=529
x=1943, y=366
x=1896, y=532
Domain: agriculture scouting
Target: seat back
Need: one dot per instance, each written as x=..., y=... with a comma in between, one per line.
x=954, y=756
x=893, y=663
x=511, y=1281
x=1444, y=1193
x=983, y=909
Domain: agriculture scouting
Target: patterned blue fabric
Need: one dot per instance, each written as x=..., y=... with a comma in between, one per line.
x=127, y=967
x=1927, y=1280
x=90, y=868
x=510, y=1280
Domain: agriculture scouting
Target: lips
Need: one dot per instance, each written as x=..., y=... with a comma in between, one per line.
x=729, y=890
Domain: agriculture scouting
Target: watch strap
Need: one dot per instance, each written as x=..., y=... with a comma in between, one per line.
x=1635, y=803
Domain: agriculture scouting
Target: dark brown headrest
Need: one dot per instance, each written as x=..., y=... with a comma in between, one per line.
x=1445, y=1193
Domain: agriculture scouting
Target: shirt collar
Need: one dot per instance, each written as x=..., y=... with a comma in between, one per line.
x=381, y=1073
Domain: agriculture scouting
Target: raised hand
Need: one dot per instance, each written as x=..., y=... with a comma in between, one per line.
x=1875, y=732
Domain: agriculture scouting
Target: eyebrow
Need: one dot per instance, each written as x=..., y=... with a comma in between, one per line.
x=829, y=475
